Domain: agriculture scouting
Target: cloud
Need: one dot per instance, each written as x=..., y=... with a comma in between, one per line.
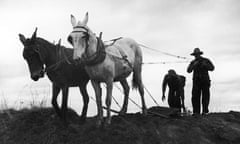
x=177, y=25
x=228, y=54
x=12, y=71
x=3, y=3
x=232, y=83
x=171, y=26
x=228, y=90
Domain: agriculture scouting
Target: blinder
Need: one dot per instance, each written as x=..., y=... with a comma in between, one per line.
x=70, y=39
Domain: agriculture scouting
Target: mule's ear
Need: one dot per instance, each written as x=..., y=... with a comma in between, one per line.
x=73, y=21
x=22, y=38
x=85, y=20
x=34, y=34
x=59, y=42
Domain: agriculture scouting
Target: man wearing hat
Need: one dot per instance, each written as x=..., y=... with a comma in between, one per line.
x=201, y=81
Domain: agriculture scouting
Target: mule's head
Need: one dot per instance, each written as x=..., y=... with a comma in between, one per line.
x=32, y=56
x=79, y=37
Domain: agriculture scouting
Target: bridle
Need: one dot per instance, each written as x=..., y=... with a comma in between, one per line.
x=53, y=66
x=86, y=33
x=100, y=53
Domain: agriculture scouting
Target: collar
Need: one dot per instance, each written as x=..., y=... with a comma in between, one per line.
x=97, y=57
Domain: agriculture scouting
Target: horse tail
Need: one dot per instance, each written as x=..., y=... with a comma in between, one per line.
x=135, y=80
x=137, y=76
x=137, y=69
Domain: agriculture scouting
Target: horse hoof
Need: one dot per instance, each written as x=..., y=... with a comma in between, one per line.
x=107, y=124
x=98, y=124
x=122, y=112
x=145, y=112
x=108, y=121
x=82, y=120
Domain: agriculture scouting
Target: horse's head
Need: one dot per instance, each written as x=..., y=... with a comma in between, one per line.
x=32, y=55
x=80, y=38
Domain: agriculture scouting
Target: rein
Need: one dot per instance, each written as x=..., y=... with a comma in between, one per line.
x=56, y=65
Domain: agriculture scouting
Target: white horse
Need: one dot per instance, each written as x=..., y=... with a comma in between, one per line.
x=107, y=64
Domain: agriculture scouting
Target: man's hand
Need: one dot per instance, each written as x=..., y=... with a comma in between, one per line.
x=196, y=62
x=163, y=98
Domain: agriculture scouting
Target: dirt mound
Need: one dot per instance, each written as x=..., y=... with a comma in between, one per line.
x=42, y=126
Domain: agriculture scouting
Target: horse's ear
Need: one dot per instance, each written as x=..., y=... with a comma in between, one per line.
x=34, y=34
x=73, y=21
x=85, y=20
x=22, y=38
x=59, y=42
x=100, y=35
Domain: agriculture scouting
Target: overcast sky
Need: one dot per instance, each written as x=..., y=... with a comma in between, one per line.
x=173, y=26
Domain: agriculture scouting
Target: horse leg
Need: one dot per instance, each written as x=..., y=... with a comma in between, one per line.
x=98, y=94
x=109, y=84
x=83, y=90
x=64, y=103
x=55, y=92
x=126, y=95
x=141, y=91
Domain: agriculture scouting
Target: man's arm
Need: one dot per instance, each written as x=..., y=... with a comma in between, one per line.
x=164, y=86
x=191, y=66
x=208, y=65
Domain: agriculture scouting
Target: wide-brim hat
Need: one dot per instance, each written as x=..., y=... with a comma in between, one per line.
x=196, y=51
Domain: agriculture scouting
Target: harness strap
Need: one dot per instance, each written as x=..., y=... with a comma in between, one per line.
x=82, y=27
x=113, y=41
x=63, y=54
x=61, y=57
x=99, y=56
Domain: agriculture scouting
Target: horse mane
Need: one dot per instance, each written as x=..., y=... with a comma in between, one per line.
x=60, y=52
x=44, y=42
x=47, y=43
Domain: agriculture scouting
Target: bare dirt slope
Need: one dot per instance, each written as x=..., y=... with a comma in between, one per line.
x=42, y=126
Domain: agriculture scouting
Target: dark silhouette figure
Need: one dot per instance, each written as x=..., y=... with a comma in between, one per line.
x=201, y=81
x=176, y=85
